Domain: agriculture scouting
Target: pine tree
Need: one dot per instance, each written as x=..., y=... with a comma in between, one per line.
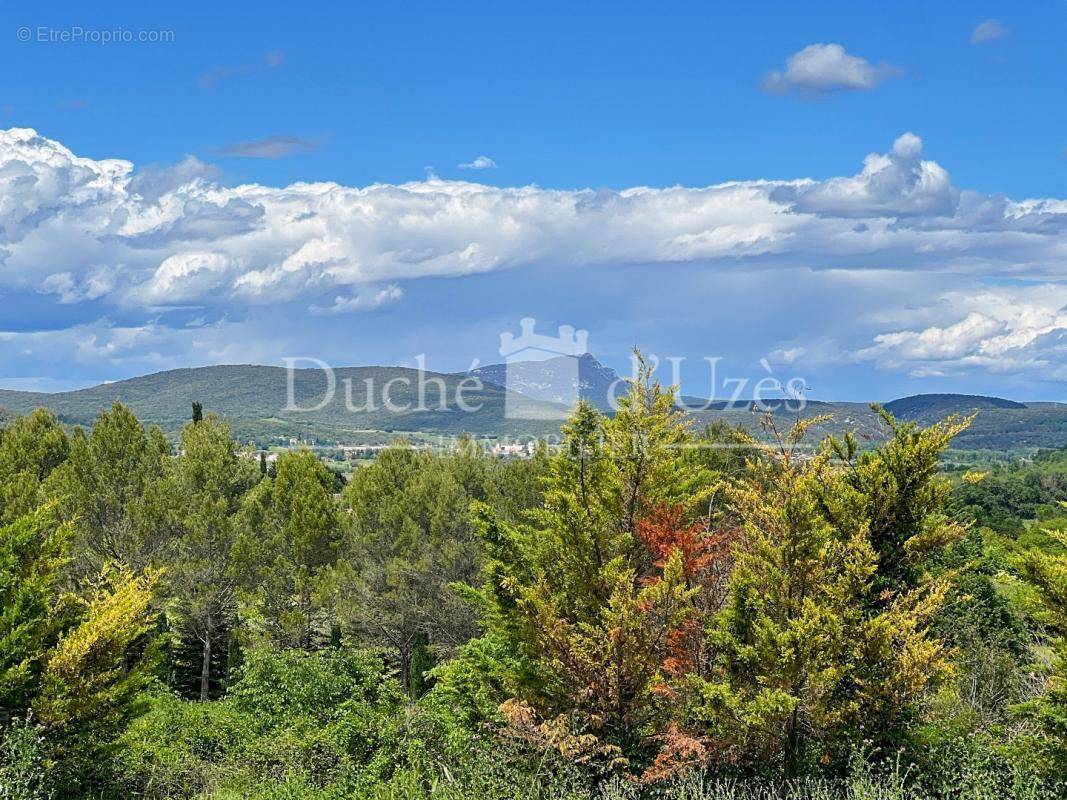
x=210, y=479
x=31, y=447
x=336, y=636
x=113, y=490
x=289, y=530
x=198, y=412
x=235, y=657
x=409, y=538
x=704, y=559
x=904, y=498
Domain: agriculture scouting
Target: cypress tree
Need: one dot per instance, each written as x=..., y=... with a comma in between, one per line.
x=335, y=636
x=235, y=657
x=422, y=661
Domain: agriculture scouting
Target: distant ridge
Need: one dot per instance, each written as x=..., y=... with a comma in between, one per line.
x=922, y=406
x=543, y=380
x=252, y=398
x=596, y=383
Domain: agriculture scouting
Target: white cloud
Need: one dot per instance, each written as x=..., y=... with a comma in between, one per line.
x=62, y=284
x=998, y=329
x=937, y=343
x=142, y=245
x=181, y=238
x=367, y=300
x=988, y=31
x=822, y=68
x=898, y=183
x=125, y=349
x=186, y=278
x=96, y=283
x=481, y=162
x=153, y=182
x=788, y=355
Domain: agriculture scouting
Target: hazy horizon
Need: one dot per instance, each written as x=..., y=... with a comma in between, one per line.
x=687, y=388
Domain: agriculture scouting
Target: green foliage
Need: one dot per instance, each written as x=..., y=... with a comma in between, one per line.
x=945, y=764
x=314, y=718
x=905, y=497
x=1007, y=498
x=1049, y=574
x=422, y=661
x=30, y=448
x=988, y=634
x=74, y=665
x=289, y=532
x=480, y=677
x=210, y=480
x=32, y=616
x=111, y=489
x=694, y=610
x=23, y=763
x=410, y=538
x=235, y=656
x=806, y=668
x=93, y=679
x=724, y=449
x=292, y=684
x=576, y=628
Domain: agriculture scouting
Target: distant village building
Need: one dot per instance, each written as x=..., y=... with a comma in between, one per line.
x=513, y=450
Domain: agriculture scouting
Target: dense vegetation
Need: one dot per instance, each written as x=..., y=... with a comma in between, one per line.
x=648, y=611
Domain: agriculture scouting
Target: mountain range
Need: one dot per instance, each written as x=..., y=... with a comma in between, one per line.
x=512, y=400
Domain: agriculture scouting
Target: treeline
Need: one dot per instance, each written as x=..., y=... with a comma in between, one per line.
x=647, y=607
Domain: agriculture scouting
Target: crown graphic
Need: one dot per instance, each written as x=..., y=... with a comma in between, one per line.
x=569, y=342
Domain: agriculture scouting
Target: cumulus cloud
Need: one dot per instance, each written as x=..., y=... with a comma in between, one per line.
x=186, y=278
x=481, y=162
x=988, y=31
x=95, y=283
x=998, y=329
x=150, y=246
x=898, y=183
x=153, y=182
x=823, y=68
x=180, y=237
x=366, y=300
x=270, y=147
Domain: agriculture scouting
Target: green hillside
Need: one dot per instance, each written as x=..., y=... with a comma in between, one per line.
x=254, y=398
x=922, y=406
x=1000, y=424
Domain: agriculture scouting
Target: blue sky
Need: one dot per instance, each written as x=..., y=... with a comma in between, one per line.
x=908, y=278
